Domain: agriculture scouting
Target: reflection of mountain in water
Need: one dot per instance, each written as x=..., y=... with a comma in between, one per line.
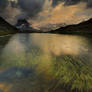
x=60, y=63
x=3, y=41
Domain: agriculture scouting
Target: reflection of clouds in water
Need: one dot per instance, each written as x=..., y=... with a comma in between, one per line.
x=56, y=44
x=41, y=47
x=38, y=49
x=43, y=51
x=60, y=44
x=14, y=46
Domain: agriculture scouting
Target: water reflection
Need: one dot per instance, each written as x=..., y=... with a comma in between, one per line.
x=46, y=63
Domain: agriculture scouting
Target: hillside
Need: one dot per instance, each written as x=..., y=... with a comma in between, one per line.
x=6, y=28
x=24, y=27
x=84, y=27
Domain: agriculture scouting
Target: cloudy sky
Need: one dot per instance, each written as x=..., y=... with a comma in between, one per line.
x=41, y=13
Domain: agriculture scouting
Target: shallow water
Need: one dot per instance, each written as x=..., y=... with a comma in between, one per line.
x=46, y=63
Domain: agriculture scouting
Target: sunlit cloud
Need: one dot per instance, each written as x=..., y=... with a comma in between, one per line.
x=42, y=12
x=64, y=14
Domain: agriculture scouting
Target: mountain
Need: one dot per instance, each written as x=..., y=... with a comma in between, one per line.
x=6, y=28
x=24, y=27
x=49, y=27
x=83, y=27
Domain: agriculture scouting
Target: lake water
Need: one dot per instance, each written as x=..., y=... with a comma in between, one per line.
x=46, y=63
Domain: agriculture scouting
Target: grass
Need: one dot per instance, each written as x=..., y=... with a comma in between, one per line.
x=72, y=73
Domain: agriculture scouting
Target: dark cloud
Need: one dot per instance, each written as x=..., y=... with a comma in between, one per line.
x=55, y=2
x=66, y=2
x=72, y=2
x=31, y=7
x=3, y=5
x=89, y=3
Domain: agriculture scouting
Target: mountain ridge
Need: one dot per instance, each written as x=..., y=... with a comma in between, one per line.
x=83, y=27
x=6, y=28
